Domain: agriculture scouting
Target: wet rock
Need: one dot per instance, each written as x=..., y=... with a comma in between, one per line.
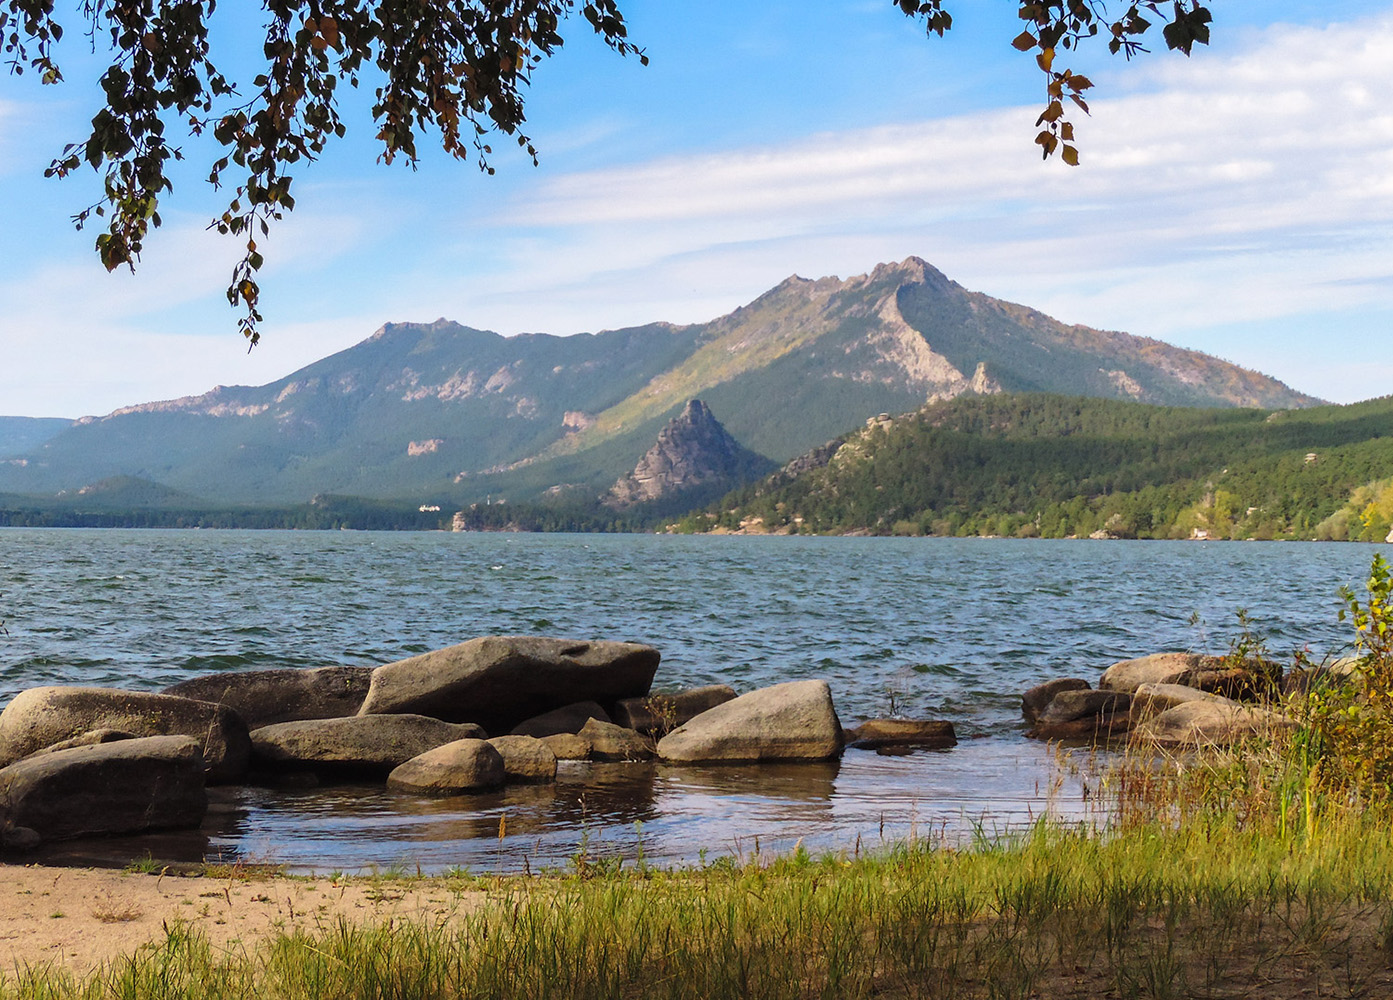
x=1088, y=729
x=792, y=721
x=453, y=769
x=526, y=759
x=499, y=681
x=1067, y=706
x=660, y=714
x=363, y=744
x=1034, y=701
x=916, y=734
x=610, y=742
x=263, y=697
x=128, y=786
x=568, y=746
x=566, y=719
x=1210, y=723
x=43, y=716
x=1158, y=668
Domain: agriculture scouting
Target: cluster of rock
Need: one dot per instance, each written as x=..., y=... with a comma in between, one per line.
x=78, y=761
x=1169, y=699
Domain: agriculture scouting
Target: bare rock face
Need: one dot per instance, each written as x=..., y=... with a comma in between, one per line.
x=150, y=783
x=526, y=759
x=456, y=768
x=692, y=450
x=263, y=697
x=499, y=681
x=792, y=721
x=659, y=714
x=43, y=716
x=1158, y=668
x=372, y=744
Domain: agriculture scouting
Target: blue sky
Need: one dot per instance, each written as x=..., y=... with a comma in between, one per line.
x=1240, y=202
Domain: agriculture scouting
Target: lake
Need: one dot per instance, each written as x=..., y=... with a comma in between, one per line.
x=936, y=628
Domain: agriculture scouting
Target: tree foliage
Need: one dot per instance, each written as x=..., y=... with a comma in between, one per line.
x=455, y=67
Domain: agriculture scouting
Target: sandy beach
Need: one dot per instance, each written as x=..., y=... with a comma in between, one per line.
x=80, y=917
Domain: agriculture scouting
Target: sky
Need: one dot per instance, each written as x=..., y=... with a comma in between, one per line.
x=1239, y=202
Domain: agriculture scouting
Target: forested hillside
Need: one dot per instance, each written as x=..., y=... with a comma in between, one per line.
x=1056, y=466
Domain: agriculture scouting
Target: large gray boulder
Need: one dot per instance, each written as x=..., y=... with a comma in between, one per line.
x=360, y=744
x=498, y=681
x=1158, y=668
x=566, y=719
x=660, y=714
x=128, y=786
x=456, y=768
x=1210, y=723
x=263, y=697
x=42, y=716
x=526, y=759
x=792, y=721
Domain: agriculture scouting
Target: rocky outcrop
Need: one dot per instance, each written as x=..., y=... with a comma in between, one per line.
x=566, y=719
x=792, y=721
x=526, y=759
x=456, y=768
x=499, y=681
x=366, y=745
x=43, y=716
x=263, y=697
x=659, y=714
x=692, y=451
x=1158, y=668
x=610, y=742
x=902, y=734
x=128, y=786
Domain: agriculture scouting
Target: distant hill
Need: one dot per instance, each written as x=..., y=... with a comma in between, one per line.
x=21, y=434
x=442, y=413
x=1053, y=466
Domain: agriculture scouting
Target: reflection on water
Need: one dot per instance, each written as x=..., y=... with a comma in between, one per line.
x=668, y=815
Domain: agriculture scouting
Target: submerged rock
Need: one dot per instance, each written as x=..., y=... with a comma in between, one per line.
x=499, y=681
x=43, y=716
x=792, y=721
x=263, y=697
x=908, y=734
x=362, y=744
x=150, y=783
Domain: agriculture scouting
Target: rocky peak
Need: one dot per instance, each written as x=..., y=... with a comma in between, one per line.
x=692, y=450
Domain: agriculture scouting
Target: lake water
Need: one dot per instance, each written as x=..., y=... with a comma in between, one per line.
x=938, y=628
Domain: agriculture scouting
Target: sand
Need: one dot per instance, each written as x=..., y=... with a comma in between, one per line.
x=80, y=917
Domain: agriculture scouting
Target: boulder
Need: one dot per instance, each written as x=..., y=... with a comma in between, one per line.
x=1158, y=668
x=128, y=786
x=1246, y=680
x=1088, y=728
x=660, y=714
x=43, y=716
x=907, y=734
x=610, y=742
x=498, y=681
x=263, y=697
x=90, y=738
x=525, y=758
x=453, y=769
x=1152, y=699
x=1209, y=723
x=1034, y=701
x=568, y=746
x=360, y=744
x=566, y=719
x=1068, y=706
x=791, y=721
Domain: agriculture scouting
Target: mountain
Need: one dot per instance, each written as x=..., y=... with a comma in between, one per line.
x=442, y=413
x=694, y=454
x=1035, y=464
x=21, y=434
